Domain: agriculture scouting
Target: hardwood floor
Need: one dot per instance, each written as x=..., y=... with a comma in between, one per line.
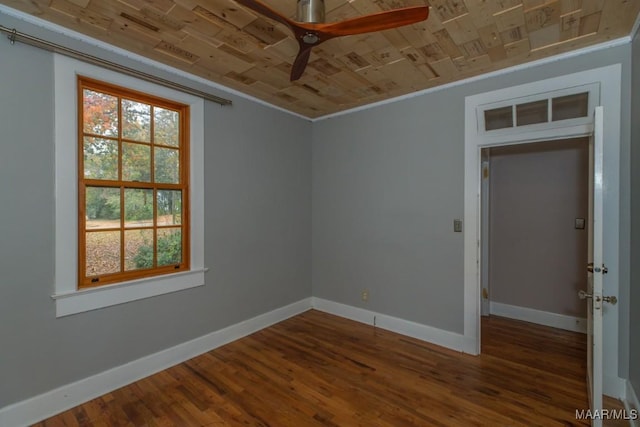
x=320, y=370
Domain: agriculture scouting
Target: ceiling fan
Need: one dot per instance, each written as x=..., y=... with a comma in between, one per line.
x=310, y=30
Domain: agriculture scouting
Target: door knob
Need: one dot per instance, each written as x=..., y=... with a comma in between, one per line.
x=584, y=295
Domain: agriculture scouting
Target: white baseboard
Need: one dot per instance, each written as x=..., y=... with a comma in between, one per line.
x=632, y=405
x=614, y=386
x=40, y=407
x=569, y=323
x=35, y=409
x=419, y=331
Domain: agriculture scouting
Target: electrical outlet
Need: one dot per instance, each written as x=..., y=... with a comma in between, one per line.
x=365, y=295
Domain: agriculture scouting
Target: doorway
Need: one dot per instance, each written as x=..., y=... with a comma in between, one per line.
x=534, y=214
x=493, y=119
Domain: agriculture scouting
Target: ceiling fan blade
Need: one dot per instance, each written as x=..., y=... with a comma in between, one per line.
x=376, y=21
x=300, y=62
x=263, y=9
x=310, y=34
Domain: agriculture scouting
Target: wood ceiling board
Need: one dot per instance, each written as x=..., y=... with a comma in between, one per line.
x=444, y=68
x=341, y=13
x=462, y=29
x=404, y=70
x=448, y=9
x=274, y=78
x=592, y=6
x=544, y=16
x=80, y=13
x=414, y=55
x=490, y=36
x=513, y=35
x=396, y=39
x=570, y=6
x=123, y=31
x=355, y=62
x=161, y=5
x=224, y=42
x=265, y=31
x=364, y=7
x=481, y=12
x=509, y=19
x=517, y=49
x=497, y=53
x=570, y=23
x=417, y=35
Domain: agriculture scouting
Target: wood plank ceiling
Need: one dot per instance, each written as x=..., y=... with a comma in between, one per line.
x=230, y=45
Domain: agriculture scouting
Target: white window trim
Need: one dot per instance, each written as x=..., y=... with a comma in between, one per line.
x=68, y=298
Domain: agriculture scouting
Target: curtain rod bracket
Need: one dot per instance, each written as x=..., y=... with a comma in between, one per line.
x=14, y=36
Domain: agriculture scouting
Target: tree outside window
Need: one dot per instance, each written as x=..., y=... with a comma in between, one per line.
x=133, y=184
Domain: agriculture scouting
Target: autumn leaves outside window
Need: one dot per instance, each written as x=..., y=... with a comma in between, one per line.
x=133, y=184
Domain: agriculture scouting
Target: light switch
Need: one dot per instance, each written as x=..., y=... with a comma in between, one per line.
x=579, y=224
x=457, y=225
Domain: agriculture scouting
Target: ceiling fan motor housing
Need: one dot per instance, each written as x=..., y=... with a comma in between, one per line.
x=310, y=11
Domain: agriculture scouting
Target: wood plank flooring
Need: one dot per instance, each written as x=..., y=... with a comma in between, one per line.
x=320, y=370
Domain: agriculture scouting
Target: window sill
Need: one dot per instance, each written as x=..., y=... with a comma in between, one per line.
x=120, y=293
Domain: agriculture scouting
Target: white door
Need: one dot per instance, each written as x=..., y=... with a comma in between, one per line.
x=484, y=232
x=595, y=269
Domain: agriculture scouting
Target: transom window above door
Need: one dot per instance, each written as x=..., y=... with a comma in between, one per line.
x=560, y=108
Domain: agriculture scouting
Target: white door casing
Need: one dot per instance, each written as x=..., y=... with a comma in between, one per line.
x=485, y=295
x=605, y=84
x=595, y=274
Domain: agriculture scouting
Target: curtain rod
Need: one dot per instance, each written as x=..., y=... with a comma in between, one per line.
x=14, y=36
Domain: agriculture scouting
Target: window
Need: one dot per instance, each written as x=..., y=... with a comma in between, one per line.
x=133, y=185
x=546, y=110
x=135, y=176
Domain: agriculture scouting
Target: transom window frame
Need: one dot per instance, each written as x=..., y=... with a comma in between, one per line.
x=506, y=134
x=68, y=296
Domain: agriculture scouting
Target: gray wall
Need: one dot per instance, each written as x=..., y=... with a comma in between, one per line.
x=634, y=315
x=387, y=185
x=384, y=188
x=537, y=257
x=257, y=246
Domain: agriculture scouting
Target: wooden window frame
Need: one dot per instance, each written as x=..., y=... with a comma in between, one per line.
x=85, y=280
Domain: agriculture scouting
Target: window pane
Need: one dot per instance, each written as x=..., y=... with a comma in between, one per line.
x=102, y=252
x=169, y=207
x=138, y=249
x=138, y=207
x=132, y=184
x=166, y=127
x=570, y=107
x=136, y=121
x=136, y=162
x=100, y=158
x=102, y=208
x=532, y=113
x=167, y=165
x=169, y=246
x=100, y=113
x=498, y=118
